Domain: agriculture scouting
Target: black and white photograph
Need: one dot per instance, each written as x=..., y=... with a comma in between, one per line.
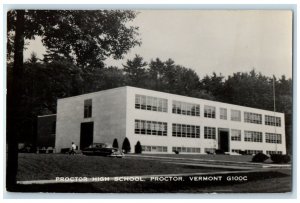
x=190, y=101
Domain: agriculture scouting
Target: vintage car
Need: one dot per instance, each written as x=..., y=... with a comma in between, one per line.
x=99, y=149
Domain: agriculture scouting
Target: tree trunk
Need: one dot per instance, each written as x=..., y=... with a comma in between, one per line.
x=14, y=99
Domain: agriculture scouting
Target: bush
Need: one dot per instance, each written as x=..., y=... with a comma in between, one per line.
x=260, y=157
x=115, y=143
x=242, y=152
x=176, y=152
x=280, y=158
x=138, y=148
x=126, y=145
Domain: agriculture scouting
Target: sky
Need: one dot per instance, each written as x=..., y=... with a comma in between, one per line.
x=224, y=42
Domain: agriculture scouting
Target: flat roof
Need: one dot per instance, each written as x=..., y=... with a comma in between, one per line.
x=166, y=93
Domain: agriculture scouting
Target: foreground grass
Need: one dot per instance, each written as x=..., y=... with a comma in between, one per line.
x=50, y=166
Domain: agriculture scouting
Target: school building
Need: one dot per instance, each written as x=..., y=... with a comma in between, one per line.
x=164, y=122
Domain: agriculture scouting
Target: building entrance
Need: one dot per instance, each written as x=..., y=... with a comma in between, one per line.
x=86, y=134
x=223, y=139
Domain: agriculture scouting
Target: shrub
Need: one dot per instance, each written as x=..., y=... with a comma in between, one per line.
x=280, y=158
x=176, y=152
x=138, y=148
x=260, y=157
x=126, y=145
x=115, y=143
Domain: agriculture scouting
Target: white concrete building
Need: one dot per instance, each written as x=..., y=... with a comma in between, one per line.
x=164, y=122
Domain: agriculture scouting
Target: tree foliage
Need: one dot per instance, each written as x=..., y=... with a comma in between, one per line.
x=115, y=143
x=85, y=37
x=138, y=148
x=126, y=145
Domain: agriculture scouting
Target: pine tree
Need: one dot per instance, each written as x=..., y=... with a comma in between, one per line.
x=138, y=148
x=126, y=145
x=115, y=143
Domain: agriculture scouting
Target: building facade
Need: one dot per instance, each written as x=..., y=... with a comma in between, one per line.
x=164, y=122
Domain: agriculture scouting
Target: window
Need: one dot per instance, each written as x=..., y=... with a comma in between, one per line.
x=223, y=113
x=274, y=152
x=137, y=128
x=151, y=103
x=252, y=118
x=252, y=136
x=88, y=108
x=183, y=130
x=251, y=151
x=235, y=115
x=235, y=135
x=273, y=138
x=183, y=108
x=137, y=101
x=209, y=111
x=209, y=133
x=143, y=102
x=272, y=120
x=186, y=149
x=150, y=128
x=154, y=148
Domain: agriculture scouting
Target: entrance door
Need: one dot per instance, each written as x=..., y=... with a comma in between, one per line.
x=86, y=134
x=224, y=139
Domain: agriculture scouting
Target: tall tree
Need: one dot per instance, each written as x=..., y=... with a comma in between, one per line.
x=84, y=37
x=14, y=101
x=135, y=71
x=213, y=85
x=156, y=72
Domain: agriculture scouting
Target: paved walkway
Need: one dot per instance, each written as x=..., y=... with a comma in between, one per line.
x=214, y=163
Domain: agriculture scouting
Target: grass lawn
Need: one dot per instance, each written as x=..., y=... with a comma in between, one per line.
x=50, y=166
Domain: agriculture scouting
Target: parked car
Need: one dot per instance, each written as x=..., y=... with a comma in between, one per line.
x=102, y=151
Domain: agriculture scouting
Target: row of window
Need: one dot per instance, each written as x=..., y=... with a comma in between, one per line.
x=273, y=138
x=151, y=128
x=272, y=120
x=190, y=109
x=182, y=130
x=193, y=131
x=273, y=152
x=154, y=148
x=252, y=136
x=146, y=148
x=151, y=103
x=252, y=118
x=250, y=152
x=184, y=108
x=187, y=149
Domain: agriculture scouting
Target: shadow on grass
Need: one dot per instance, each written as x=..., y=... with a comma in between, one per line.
x=160, y=187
